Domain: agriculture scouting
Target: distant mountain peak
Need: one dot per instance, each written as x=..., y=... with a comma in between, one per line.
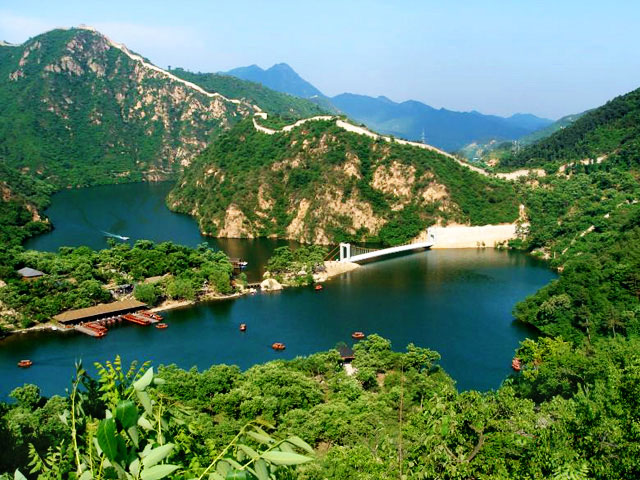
x=280, y=77
x=282, y=66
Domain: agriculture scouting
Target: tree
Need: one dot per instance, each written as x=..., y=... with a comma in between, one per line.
x=146, y=292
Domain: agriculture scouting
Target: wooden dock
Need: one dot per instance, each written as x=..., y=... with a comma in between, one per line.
x=99, y=329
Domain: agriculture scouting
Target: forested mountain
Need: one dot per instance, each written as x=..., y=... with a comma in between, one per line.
x=611, y=128
x=550, y=129
x=321, y=184
x=585, y=217
x=494, y=151
x=77, y=109
x=280, y=77
x=445, y=129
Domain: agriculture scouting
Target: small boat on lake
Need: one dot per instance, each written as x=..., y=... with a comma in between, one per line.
x=25, y=363
x=318, y=288
x=113, y=235
x=243, y=327
x=278, y=346
x=357, y=335
x=161, y=325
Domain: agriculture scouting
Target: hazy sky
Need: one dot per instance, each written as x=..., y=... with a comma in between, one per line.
x=546, y=57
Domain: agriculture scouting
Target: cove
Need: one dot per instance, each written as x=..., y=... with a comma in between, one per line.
x=86, y=216
x=457, y=302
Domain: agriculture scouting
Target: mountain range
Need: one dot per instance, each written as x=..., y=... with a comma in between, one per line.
x=413, y=120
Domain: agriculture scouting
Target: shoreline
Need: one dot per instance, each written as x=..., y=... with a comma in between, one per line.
x=332, y=269
x=174, y=304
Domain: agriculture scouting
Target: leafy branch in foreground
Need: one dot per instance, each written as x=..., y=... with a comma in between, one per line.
x=135, y=438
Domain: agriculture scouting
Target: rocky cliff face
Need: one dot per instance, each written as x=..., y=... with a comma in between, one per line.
x=320, y=184
x=79, y=109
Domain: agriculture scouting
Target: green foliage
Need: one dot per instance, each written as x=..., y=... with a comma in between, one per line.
x=296, y=266
x=589, y=224
x=571, y=413
x=140, y=432
x=406, y=226
x=180, y=288
x=146, y=292
x=27, y=396
x=21, y=197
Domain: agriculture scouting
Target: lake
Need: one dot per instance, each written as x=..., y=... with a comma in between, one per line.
x=457, y=302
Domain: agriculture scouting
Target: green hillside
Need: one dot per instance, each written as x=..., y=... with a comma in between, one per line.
x=611, y=128
x=550, y=129
x=588, y=224
x=321, y=184
x=271, y=101
x=75, y=110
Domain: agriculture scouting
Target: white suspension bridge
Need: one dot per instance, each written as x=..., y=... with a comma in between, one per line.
x=355, y=254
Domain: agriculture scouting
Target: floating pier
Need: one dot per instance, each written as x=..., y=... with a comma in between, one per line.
x=89, y=331
x=139, y=319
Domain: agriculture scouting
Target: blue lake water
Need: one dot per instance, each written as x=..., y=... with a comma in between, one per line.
x=458, y=302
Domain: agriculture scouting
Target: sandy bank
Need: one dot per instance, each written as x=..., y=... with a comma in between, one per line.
x=171, y=304
x=464, y=236
x=335, y=268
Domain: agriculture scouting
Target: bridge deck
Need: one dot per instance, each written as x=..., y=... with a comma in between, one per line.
x=389, y=251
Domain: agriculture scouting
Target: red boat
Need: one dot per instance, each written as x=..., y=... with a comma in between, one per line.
x=278, y=346
x=516, y=365
x=318, y=288
x=243, y=327
x=357, y=335
x=25, y=363
x=161, y=325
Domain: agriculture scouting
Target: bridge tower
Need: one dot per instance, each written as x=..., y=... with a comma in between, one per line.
x=345, y=252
